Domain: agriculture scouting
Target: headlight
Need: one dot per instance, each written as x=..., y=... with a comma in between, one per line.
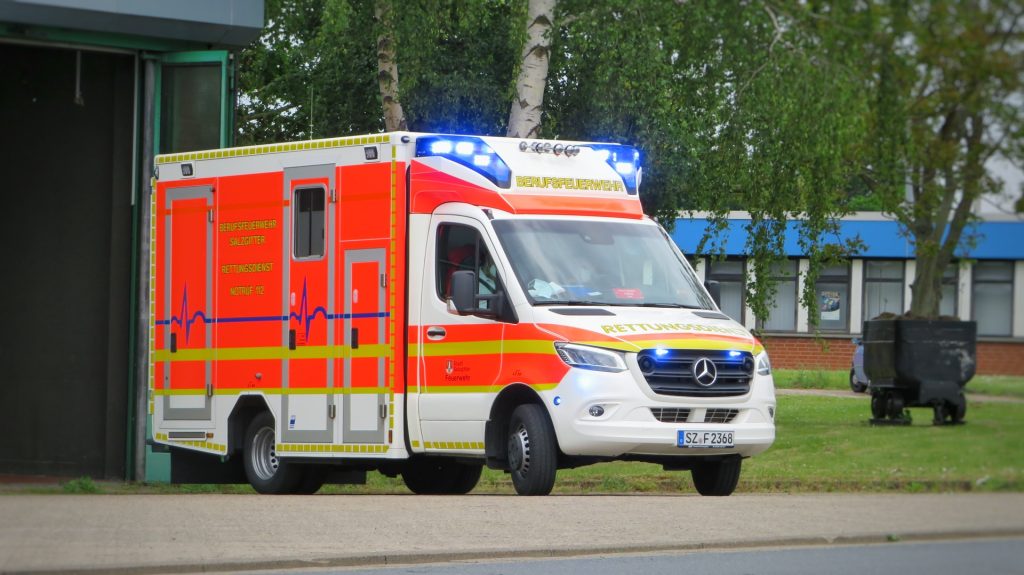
x=764, y=367
x=586, y=357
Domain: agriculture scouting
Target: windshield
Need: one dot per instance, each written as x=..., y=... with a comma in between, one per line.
x=599, y=263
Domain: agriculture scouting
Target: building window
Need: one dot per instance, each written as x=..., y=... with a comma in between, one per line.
x=782, y=313
x=833, y=293
x=883, y=287
x=731, y=277
x=992, y=297
x=950, y=290
x=308, y=210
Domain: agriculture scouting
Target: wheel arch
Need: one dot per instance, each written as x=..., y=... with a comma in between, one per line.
x=245, y=410
x=507, y=400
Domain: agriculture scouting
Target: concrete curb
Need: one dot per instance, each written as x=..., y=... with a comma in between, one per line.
x=536, y=553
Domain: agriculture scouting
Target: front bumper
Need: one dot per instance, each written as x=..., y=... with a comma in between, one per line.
x=629, y=427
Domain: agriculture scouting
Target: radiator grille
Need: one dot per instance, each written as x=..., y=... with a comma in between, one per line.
x=672, y=372
x=671, y=414
x=717, y=415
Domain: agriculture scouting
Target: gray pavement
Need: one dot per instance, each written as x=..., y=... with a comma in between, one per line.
x=188, y=533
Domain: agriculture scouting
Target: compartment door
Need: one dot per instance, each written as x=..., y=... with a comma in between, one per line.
x=307, y=374
x=365, y=396
x=189, y=292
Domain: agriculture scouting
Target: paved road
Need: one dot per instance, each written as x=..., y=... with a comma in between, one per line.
x=979, y=557
x=182, y=533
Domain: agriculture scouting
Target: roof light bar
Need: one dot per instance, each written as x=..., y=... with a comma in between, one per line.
x=625, y=160
x=468, y=151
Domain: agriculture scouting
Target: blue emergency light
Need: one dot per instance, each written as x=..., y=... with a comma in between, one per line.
x=625, y=160
x=470, y=152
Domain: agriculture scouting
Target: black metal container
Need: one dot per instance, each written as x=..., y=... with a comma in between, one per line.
x=919, y=363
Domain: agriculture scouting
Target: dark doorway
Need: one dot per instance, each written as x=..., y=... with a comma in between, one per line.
x=65, y=250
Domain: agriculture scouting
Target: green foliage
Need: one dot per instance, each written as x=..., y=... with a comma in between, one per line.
x=80, y=485
x=797, y=112
x=948, y=81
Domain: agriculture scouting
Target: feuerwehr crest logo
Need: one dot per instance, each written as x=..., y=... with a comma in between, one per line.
x=705, y=372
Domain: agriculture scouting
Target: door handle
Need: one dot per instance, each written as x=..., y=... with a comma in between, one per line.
x=436, y=332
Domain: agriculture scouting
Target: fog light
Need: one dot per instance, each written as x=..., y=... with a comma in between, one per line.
x=771, y=413
x=596, y=411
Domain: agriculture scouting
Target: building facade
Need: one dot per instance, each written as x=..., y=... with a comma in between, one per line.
x=90, y=91
x=985, y=284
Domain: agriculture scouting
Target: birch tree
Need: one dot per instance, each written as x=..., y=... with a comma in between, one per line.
x=387, y=67
x=528, y=107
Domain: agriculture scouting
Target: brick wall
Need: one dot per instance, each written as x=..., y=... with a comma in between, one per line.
x=994, y=358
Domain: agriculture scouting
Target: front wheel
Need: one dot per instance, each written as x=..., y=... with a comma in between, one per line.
x=855, y=385
x=717, y=478
x=532, y=451
x=266, y=472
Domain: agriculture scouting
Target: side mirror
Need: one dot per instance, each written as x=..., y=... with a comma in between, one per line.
x=856, y=341
x=715, y=289
x=466, y=301
x=463, y=292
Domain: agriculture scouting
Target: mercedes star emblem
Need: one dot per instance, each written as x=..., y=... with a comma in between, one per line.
x=705, y=372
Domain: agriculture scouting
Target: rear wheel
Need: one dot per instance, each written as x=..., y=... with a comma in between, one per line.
x=437, y=476
x=532, y=451
x=878, y=406
x=265, y=471
x=717, y=478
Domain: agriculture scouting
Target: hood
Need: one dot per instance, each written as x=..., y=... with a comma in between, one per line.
x=636, y=329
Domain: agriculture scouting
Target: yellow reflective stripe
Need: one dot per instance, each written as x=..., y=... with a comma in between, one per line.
x=275, y=352
x=331, y=448
x=479, y=388
x=670, y=344
x=491, y=347
x=268, y=149
x=278, y=391
x=529, y=346
x=219, y=447
x=488, y=347
x=453, y=445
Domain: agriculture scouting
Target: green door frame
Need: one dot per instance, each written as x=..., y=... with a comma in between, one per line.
x=157, y=464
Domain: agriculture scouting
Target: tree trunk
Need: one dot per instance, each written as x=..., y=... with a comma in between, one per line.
x=387, y=68
x=927, y=286
x=524, y=120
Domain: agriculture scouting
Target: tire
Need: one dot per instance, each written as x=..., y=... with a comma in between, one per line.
x=958, y=410
x=878, y=406
x=266, y=473
x=855, y=385
x=313, y=478
x=532, y=451
x=717, y=478
x=438, y=476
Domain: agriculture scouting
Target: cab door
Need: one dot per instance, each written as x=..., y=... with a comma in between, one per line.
x=460, y=356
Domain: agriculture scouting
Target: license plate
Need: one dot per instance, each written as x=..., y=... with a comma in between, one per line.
x=707, y=439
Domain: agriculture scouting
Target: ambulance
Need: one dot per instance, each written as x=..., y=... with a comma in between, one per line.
x=425, y=305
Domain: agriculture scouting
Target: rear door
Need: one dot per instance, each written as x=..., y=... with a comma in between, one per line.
x=189, y=302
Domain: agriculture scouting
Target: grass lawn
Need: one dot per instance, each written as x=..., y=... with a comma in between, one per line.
x=1005, y=385
x=822, y=444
